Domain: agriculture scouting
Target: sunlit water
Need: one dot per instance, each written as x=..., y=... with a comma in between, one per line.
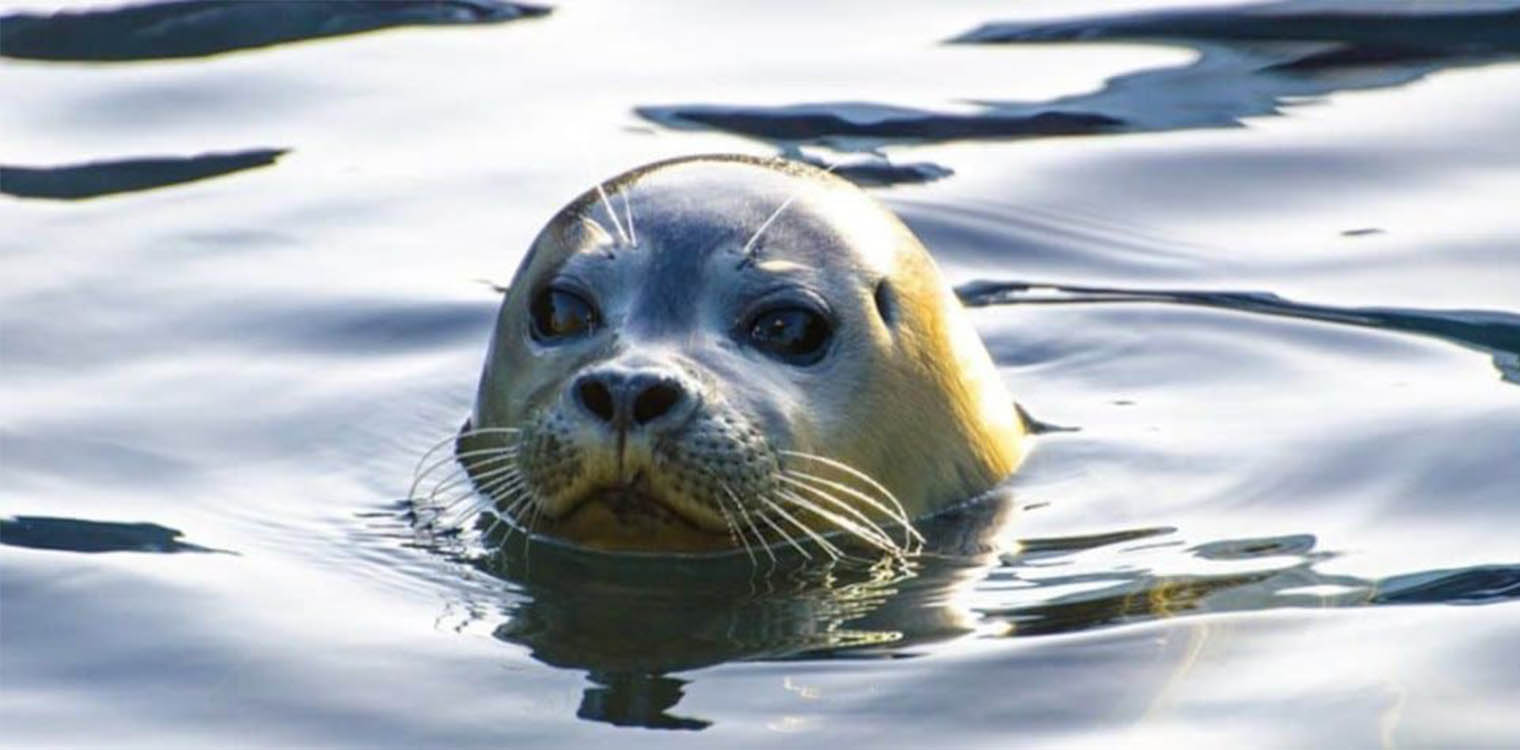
x=1279, y=521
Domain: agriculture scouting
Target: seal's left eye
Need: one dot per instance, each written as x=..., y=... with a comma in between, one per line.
x=558, y=314
x=795, y=335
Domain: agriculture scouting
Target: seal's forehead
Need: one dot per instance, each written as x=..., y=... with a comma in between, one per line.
x=724, y=196
x=727, y=179
x=707, y=205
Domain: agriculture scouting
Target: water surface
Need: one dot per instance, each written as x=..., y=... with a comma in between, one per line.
x=1260, y=276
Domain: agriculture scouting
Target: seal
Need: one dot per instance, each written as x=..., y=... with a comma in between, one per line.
x=724, y=352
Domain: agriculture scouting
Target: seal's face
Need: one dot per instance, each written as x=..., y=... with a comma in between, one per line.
x=720, y=352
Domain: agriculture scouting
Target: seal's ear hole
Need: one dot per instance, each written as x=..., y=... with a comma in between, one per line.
x=886, y=302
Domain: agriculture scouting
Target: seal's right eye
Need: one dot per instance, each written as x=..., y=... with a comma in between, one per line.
x=795, y=335
x=559, y=314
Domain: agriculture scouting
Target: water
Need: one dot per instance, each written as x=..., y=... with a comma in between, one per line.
x=1272, y=520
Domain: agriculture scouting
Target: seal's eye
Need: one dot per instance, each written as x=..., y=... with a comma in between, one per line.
x=795, y=335
x=558, y=314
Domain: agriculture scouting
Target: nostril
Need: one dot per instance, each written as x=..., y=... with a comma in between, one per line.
x=596, y=398
x=654, y=402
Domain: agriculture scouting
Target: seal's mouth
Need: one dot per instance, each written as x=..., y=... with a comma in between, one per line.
x=633, y=516
x=632, y=503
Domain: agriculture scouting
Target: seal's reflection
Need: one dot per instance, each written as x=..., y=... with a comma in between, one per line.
x=630, y=621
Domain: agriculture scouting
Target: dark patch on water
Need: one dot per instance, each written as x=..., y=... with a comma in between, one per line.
x=196, y=28
x=880, y=172
x=75, y=535
x=1492, y=332
x=827, y=123
x=1477, y=585
x=1131, y=597
x=1052, y=545
x=1422, y=30
x=865, y=126
x=1241, y=72
x=99, y=178
x=836, y=124
x=635, y=700
x=1247, y=549
x=1135, y=594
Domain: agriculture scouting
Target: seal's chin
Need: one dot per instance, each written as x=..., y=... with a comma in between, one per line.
x=631, y=519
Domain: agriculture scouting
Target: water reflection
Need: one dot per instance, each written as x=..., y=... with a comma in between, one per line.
x=196, y=28
x=635, y=700
x=1492, y=332
x=1252, y=61
x=270, y=348
x=1254, y=574
x=99, y=178
x=77, y=535
x=631, y=622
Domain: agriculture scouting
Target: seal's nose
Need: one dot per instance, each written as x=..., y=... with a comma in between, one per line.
x=622, y=398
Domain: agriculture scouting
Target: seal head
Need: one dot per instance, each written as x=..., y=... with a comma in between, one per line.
x=720, y=351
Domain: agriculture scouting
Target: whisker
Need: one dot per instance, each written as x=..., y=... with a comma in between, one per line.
x=506, y=504
x=533, y=516
x=514, y=509
x=597, y=225
x=505, y=463
x=510, y=485
x=834, y=552
x=431, y=450
x=477, y=431
x=453, y=479
x=861, y=519
x=785, y=536
x=869, y=535
x=489, y=454
x=759, y=537
x=493, y=504
x=793, y=476
x=446, y=499
x=440, y=507
x=748, y=246
x=436, y=521
x=459, y=436
x=633, y=237
x=420, y=473
x=496, y=520
x=471, y=461
x=508, y=516
x=902, y=514
x=491, y=494
x=611, y=213
x=510, y=439
x=875, y=539
x=733, y=529
x=484, y=491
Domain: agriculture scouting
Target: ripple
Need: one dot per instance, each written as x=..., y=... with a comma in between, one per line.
x=1252, y=61
x=1496, y=333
